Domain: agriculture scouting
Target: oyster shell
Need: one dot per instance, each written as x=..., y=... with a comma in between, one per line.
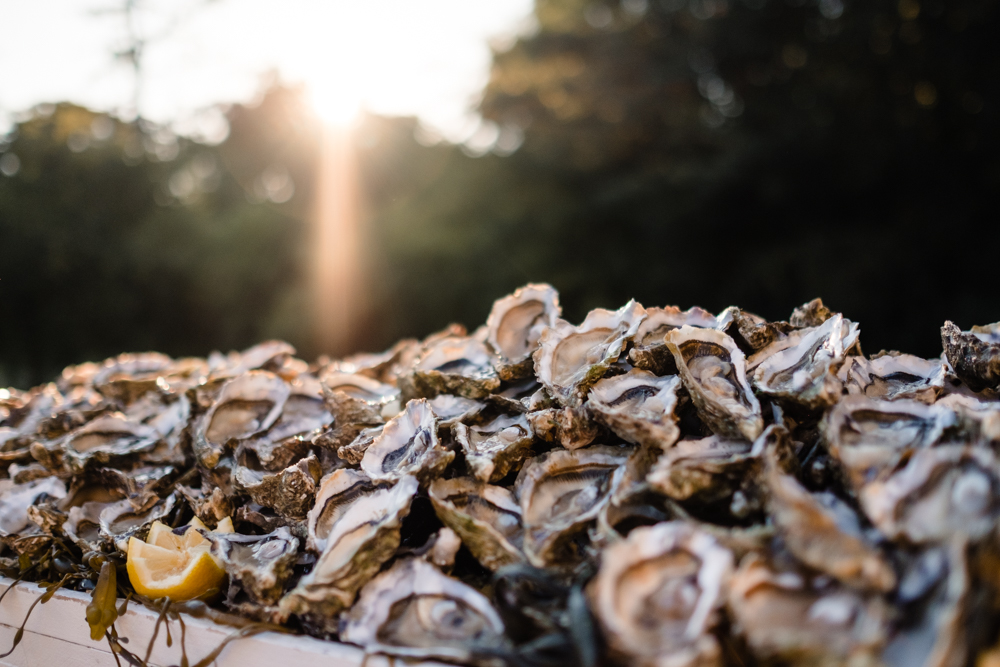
x=638, y=406
x=261, y=564
x=823, y=532
x=569, y=359
x=128, y=376
x=560, y=493
x=408, y=445
x=975, y=355
x=658, y=594
x=246, y=405
x=15, y=499
x=415, y=611
x=454, y=365
x=386, y=367
x=303, y=416
x=801, y=367
x=570, y=427
x=361, y=537
x=487, y=518
x=941, y=492
x=358, y=399
x=338, y=491
x=869, y=436
x=515, y=325
x=713, y=371
x=786, y=615
x=495, y=448
x=889, y=376
x=106, y=439
x=289, y=492
x=811, y=314
x=707, y=470
x=119, y=521
x=451, y=410
x=650, y=352
x=354, y=452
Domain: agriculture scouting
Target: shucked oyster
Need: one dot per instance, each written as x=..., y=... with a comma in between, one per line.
x=246, y=405
x=560, y=493
x=801, y=367
x=415, y=611
x=975, y=355
x=261, y=564
x=109, y=438
x=515, y=324
x=337, y=493
x=15, y=499
x=359, y=539
x=869, y=436
x=650, y=352
x=658, y=594
x=638, y=406
x=941, y=492
x=495, y=448
x=789, y=616
x=707, y=471
x=408, y=445
x=454, y=365
x=569, y=359
x=892, y=375
x=487, y=518
x=713, y=370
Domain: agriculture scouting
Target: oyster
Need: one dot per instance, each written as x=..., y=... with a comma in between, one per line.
x=708, y=470
x=386, y=367
x=515, y=325
x=638, y=406
x=560, y=493
x=289, y=492
x=801, y=367
x=454, y=365
x=128, y=376
x=650, y=352
x=811, y=314
x=869, y=436
x=358, y=399
x=415, y=611
x=451, y=410
x=487, y=518
x=713, y=370
x=569, y=359
x=303, y=416
x=408, y=445
x=941, y=492
x=892, y=375
x=337, y=492
x=261, y=564
x=15, y=499
x=753, y=330
x=975, y=355
x=109, y=438
x=825, y=533
x=570, y=427
x=120, y=521
x=359, y=538
x=658, y=594
x=354, y=452
x=246, y=405
x=789, y=616
x=495, y=448
x=978, y=421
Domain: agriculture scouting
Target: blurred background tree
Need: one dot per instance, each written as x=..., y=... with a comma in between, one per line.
x=710, y=152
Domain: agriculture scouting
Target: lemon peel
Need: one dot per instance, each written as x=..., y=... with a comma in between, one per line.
x=175, y=563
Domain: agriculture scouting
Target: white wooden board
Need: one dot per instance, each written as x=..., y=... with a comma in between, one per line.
x=57, y=635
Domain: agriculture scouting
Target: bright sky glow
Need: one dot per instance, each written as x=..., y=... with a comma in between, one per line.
x=428, y=58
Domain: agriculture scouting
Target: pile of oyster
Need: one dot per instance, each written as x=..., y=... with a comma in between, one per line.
x=651, y=486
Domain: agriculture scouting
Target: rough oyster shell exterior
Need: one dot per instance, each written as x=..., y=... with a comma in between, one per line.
x=650, y=352
x=638, y=406
x=495, y=448
x=514, y=326
x=974, y=355
x=486, y=518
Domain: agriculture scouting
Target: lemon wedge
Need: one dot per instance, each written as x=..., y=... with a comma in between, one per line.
x=174, y=563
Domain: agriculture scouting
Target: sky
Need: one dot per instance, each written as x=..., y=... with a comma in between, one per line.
x=428, y=58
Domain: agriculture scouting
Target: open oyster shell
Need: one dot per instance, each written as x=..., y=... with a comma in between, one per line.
x=495, y=448
x=570, y=427
x=801, y=367
x=408, y=445
x=119, y=521
x=658, y=593
x=708, y=470
x=451, y=410
x=246, y=405
x=650, y=352
x=360, y=539
x=713, y=370
x=289, y=492
x=337, y=493
x=454, y=365
x=303, y=417
x=486, y=518
x=15, y=499
x=107, y=439
x=889, y=376
x=560, y=493
x=261, y=564
x=569, y=359
x=789, y=616
x=515, y=324
x=941, y=492
x=415, y=611
x=638, y=406
x=975, y=355
x=869, y=437
x=823, y=532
